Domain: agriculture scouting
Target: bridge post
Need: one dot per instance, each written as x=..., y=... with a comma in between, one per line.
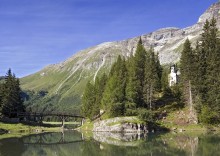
x=82, y=121
x=63, y=121
x=41, y=118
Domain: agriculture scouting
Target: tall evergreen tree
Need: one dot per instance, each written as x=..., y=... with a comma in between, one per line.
x=99, y=89
x=88, y=100
x=213, y=70
x=113, y=99
x=152, y=80
x=131, y=89
x=164, y=79
x=203, y=54
x=11, y=100
x=134, y=89
x=92, y=96
x=187, y=62
x=159, y=70
x=207, y=79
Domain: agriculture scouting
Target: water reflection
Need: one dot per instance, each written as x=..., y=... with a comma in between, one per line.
x=52, y=139
x=106, y=144
x=120, y=139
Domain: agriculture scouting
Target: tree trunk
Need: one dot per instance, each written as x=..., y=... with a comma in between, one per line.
x=192, y=114
x=190, y=98
x=150, y=97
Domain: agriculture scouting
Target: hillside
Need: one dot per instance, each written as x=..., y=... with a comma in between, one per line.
x=63, y=83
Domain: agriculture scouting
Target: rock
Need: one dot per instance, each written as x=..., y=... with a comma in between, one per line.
x=101, y=147
x=174, y=129
x=181, y=130
x=119, y=125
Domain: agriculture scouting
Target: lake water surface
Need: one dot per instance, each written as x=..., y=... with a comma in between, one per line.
x=73, y=143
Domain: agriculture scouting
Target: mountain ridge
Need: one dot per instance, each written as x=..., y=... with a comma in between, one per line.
x=68, y=78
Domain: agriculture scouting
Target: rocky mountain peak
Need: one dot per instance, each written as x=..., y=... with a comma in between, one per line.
x=212, y=11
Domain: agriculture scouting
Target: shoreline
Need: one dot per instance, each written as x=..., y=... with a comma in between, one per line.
x=119, y=125
x=21, y=129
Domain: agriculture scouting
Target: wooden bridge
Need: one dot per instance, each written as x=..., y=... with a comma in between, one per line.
x=40, y=116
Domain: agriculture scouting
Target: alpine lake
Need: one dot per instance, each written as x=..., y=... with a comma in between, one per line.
x=74, y=143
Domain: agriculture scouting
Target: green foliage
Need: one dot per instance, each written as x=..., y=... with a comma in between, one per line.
x=146, y=115
x=200, y=74
x=91, y=101
x=10, y=96
x=186, y=61
x=88, y=100
x=130, y=109
x=171, y=100
x=164, y=79
x=126, y=86
x=39, y=101
x=152, y=78
x=134, y=88
x=114, y=95
x=116, y=109
x=208, y=116
x=208, y=85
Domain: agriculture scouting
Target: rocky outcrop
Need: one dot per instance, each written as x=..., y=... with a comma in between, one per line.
x=120, y=124
x=213, y=11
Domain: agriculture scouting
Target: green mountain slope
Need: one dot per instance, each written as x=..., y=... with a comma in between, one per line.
x=59, y=87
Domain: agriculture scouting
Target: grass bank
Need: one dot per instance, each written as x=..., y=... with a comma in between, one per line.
x=20, y=127
x=178, y=121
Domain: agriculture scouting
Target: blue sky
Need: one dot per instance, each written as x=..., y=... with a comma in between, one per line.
x=36, y=33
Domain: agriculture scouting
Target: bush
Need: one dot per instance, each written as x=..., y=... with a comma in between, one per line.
x=146, y=115
x=207, y=116
x=117, y=109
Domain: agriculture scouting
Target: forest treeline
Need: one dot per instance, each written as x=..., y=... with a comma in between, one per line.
x=130, y=87
x=135, y=85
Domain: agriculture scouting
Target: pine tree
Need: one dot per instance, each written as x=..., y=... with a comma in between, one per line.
x=113, y=99
x=152, y=80
x=88, y=100
x=164, y=79
x=11, y=99
x=134, y=88
x=207, y=79
x=92, y=96
x=131, y=90
x=159, y=70
x=203, y=54
x=99, y=89
x=187, y=62
x=212, y=78
x=196, y=79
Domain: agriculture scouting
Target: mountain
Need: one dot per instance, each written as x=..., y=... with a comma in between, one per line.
x=60, y=86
